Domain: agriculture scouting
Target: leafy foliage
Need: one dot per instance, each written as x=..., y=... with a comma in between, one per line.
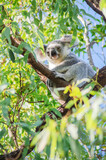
x=24, y=98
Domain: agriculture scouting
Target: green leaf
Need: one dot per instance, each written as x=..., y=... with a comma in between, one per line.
x=89, y=15
x=16, y=50
x=6, y=34
x=2, y=10
x=1, y=22
x=56, y=7
x=11, y=54
x=103, y=6
x=15, y=27
x=36, y=21
x=40, y=15
x=56, y=112
x=33, y=2
x=75, y=147
x=25, y=126
x=2, y=132
x=38, y=157
x=73, y=37
x=70, y=103
x=24, y=153
x=26, y=56
x=38, y=123
x=5, y=103
x=40, y=33
x=25, y=13
x=3, y=86
x=34, y=55
x=26, y=46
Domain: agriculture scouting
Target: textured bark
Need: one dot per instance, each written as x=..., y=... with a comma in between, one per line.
x=38, y=67
x=45, y=73
x=94, y=4
x=100, y=78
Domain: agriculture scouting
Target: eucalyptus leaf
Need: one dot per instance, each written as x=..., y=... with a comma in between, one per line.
x=6, y=34
x=87, y=14
x=11, y=54
x=2, y=132
x=56, y=112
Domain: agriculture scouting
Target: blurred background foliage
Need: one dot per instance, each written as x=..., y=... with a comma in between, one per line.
x=24, y=98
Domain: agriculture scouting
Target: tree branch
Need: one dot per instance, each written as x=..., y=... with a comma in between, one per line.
x=42, y=70
x=101, y=79
x=87, y=41
x=95, y=6
x=37, y=66
x=101, y=82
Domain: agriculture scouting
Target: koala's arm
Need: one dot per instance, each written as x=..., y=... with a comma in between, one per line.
x=77, y=72
x=65, y=65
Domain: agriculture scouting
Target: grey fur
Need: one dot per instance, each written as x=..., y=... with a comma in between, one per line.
x=66, y=66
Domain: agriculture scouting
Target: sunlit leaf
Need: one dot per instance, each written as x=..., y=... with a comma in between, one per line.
x=3, y=86
x=63, y=125
x=103, y=6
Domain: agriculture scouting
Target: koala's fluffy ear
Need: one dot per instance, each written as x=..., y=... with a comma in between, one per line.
x=66, y=39
x=40, y=55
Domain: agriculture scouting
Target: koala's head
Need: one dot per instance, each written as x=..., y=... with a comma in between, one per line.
x=56, y=50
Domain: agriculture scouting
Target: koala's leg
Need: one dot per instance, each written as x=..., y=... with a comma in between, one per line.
x=64, y=66
x=54, y=90
x=61, y=69
x=71, y=72
x=49, y=83
x=78, y=73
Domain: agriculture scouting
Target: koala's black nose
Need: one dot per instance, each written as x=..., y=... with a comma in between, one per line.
x=53, y=53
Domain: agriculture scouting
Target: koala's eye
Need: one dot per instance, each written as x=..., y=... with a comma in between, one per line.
x=47, y=52
x=58, y=48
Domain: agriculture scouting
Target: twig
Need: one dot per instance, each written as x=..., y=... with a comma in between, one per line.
x=96, y=9
x=35, y=102
x=43, y=70
x=101, y=79
x=87, y=41
x=87, y=149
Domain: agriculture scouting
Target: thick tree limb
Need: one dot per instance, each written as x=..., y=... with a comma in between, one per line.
x=38, y=67
x=42, y=70
x=100, y=78
x=15, y=155
x=94, y=4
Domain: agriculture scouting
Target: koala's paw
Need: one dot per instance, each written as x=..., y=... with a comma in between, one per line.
x=57, y=74
x=49, y=83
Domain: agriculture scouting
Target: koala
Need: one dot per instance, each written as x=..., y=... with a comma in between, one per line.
x=65, y=65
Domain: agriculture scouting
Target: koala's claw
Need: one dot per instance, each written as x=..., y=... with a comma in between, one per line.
x=57, y=75
x=49, y=83
x=54, y=72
